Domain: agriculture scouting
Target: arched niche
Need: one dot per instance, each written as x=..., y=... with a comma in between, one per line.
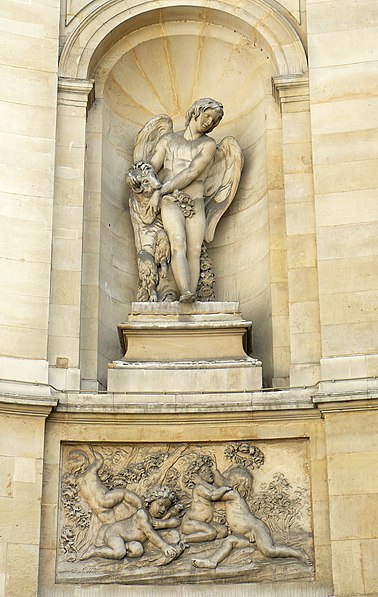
x=99, y=26
x=159, y=62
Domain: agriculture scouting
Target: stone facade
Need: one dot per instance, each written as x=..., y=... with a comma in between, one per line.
x=296, y=249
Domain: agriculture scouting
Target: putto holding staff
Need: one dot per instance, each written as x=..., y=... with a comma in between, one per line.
x=182, y=183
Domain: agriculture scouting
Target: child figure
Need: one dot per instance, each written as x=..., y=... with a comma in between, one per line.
x=151, y=240
x=197, y=524
x=108, y=505
x=126, y=537
x=245, y=527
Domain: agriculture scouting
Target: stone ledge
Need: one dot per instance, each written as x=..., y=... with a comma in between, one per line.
x=278, y=589
x=260, y=405
x=27, y=405
x=190, y=364
x=186, y=402
x=175, y=308
x=333, y=404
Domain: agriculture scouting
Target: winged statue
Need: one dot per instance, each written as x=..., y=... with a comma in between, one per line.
x=182, y=183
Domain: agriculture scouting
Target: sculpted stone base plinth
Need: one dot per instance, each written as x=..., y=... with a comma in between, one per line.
x=173, y=347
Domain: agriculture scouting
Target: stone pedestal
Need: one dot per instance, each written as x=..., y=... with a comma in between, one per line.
x=173, y=347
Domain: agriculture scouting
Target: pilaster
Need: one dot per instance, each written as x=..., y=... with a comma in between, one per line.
x=292, y=94
x=74, y=97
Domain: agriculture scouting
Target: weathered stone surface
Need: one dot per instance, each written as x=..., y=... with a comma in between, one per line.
x=297, y=249
x=208, y=341
x=151, y=503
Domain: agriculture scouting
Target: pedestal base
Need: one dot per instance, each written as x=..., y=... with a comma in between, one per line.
x=177, y=347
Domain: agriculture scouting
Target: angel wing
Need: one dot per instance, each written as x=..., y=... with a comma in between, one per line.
x=148, y=137
x=222, y=182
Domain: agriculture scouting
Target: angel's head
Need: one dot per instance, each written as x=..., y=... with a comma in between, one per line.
x=208, y=110
x=158, y=500
x=142, y=178
x=202, y=466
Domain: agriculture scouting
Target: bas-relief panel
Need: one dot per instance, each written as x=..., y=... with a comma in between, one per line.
x=171, y=513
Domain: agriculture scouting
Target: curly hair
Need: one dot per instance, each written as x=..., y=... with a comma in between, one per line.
x=157, y=492
x=240, y=479
x=200, y=106
x=195, y=466
x=77, y=462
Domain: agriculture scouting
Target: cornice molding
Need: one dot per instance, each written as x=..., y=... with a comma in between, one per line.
x=26, y=406
x=291, y=89
x=346, y=402
x=162, y=409
x=74, y=92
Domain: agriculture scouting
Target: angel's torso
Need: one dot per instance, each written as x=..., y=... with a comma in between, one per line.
x=179, y=154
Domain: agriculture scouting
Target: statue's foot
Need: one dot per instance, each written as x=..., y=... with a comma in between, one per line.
x=204, y=563
x=304, y=557
x=170, y=297
x=187, y=297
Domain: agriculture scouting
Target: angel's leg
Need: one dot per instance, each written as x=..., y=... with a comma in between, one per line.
x=222, y=552
x=195, y=233
x=174, y=223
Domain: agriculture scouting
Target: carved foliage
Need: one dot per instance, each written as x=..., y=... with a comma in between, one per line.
x=281, y=505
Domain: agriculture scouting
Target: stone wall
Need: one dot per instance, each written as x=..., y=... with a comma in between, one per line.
x=351, y=457
x=29, y=66
x=297, y=248
x=342, y=60
x=21, y=464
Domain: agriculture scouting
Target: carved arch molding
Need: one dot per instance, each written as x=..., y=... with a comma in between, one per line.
x=99, y=26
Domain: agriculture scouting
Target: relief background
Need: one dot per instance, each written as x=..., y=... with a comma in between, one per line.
x=280, y=497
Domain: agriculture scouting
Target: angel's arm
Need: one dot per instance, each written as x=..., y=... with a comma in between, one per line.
x=97, y=460
x=211, y=493
x=157, y=158
x=169, y=523
x=219, y=479
x=191, y=173
x=218, y=492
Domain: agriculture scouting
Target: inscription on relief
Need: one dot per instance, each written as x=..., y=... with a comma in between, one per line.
x=171, y=513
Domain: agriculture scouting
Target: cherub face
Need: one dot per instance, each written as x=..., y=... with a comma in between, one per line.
x=77, y=459
x=206, y=473
x=159, y=507
x=207, y=120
